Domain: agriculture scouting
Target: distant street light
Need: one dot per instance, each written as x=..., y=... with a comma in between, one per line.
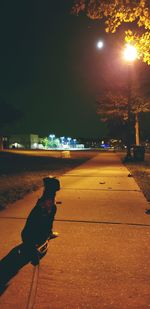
x=130, y=54
x=68, y=139
x=74, y=142
x=52, y=136
x=62, y=139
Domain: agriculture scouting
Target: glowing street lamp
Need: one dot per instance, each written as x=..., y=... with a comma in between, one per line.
x=68, y=139
x=52, y=136
x=62, y=139
x=130, y=55
x=74, y=142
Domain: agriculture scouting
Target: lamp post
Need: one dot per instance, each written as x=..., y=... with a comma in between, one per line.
x=69, y=139
x=74, y=142
x=52, y=136
x=130, y=54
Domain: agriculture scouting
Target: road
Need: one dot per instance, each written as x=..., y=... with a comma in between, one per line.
x=101, y=257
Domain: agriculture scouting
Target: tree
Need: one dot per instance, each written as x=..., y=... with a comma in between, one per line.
x=117, y=128
x=51, y=143
x=45, y=142
x=135, y=13
x=9, y=114
x=113, y=106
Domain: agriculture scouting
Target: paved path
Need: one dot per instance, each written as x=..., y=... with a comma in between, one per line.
x=101, y=258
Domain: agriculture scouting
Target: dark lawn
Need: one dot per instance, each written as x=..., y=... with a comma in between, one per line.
x=22, y=172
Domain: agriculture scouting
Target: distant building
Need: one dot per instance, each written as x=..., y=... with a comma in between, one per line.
x=27, y=141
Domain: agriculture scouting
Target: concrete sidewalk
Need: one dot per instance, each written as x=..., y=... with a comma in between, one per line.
x=101, y=258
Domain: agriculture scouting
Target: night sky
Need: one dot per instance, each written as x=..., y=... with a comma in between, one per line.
x=52, y=71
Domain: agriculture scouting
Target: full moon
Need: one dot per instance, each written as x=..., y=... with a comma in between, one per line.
x=100, y=44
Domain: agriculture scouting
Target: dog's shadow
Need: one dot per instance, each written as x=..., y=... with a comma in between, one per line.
x=11, y=264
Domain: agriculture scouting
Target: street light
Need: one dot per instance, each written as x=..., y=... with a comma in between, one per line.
x=68, y=139
x=130, y=54
x=62, y=139
x=52, y=136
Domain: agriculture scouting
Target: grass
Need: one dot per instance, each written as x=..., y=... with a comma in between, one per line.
x=141, y=173
x=21, y=173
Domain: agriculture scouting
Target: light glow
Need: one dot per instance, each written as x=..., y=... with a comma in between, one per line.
x=100, y=44
x=52, y=136
x=130, y=53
